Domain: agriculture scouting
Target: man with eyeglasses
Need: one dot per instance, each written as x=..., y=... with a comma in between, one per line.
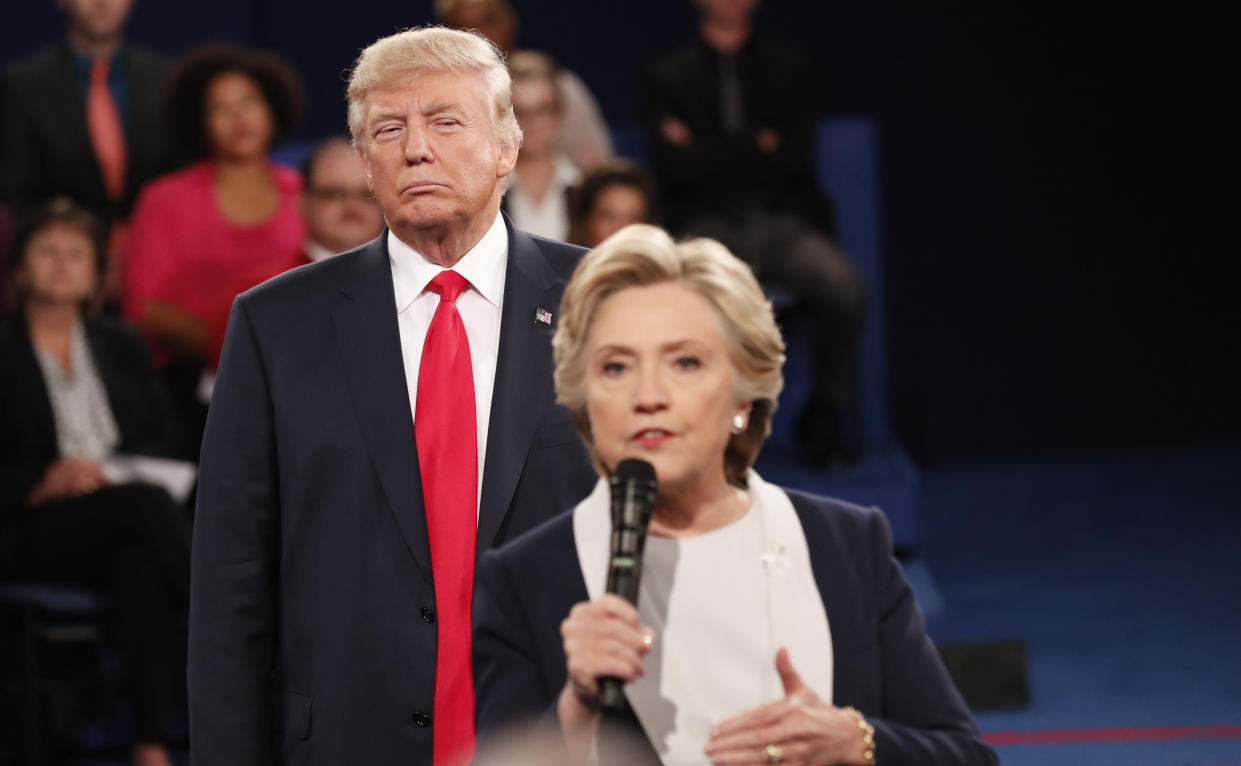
x=339, y=210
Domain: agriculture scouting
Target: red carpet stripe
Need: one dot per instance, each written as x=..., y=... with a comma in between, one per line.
x=1130, y=734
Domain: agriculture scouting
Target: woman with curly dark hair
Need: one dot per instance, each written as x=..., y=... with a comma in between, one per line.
x=202, y=234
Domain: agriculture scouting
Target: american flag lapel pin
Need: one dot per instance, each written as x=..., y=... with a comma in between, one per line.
x=543, y=315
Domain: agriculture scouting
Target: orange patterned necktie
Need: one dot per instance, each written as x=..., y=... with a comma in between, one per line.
x=107, y=135
x=446, y=435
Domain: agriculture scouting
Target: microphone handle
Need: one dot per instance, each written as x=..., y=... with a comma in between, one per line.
x=612, y=694
x=623, y=581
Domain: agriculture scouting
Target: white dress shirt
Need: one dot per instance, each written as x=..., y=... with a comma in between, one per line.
x=480, y=308
x=549, y=218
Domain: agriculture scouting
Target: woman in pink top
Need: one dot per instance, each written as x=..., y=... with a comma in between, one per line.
x=203, y=234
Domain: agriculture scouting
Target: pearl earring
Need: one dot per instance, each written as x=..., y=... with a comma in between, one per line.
x=738, y=423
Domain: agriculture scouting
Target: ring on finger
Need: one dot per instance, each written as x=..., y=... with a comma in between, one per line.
x=774, y=753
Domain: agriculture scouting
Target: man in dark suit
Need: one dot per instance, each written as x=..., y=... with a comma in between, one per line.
x=729, y=119
x=380, y=419
x=81, y=118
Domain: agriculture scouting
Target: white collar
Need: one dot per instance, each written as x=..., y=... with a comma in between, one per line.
x=316, y=252
x=483, y=267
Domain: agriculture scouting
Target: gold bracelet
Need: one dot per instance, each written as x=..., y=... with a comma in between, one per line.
x=868, y=735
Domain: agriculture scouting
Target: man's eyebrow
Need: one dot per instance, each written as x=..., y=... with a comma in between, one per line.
x=388, y=114
x=435, y=107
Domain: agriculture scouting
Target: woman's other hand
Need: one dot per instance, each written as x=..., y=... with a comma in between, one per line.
x=799, y=729
x=602, y=638
x=67, y=477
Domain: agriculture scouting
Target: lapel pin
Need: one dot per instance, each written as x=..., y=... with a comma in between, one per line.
x=543, y=315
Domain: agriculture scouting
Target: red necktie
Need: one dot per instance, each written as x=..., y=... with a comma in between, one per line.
x=107, y=135
x=448, y=460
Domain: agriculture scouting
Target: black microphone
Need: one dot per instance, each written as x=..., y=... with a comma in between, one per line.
x=633, y=501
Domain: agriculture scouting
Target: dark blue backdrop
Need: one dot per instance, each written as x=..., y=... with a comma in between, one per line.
x=1052, y=189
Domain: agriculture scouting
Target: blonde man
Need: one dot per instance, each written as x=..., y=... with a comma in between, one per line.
x=380, y=419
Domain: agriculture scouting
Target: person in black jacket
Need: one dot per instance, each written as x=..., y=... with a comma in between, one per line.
x=47, y=137
x=75, y=390
x=729, y=120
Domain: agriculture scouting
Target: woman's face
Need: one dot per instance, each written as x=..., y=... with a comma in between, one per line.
x=615, y=207
x=58, y=266
x=660, y=385
x=538, y=114
x=239, y=121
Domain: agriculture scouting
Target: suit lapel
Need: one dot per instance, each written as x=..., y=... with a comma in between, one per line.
x=366, y=331
x=523, y=375
x=31, y=390
x=66, y=114
x=146, y=89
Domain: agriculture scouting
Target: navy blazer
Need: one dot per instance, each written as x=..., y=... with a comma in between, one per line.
x=884, y=663
x=312, y=611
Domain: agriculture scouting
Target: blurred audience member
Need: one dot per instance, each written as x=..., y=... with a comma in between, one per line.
x=337, y=205
x=537, y=196
x=730, y=124
x=584, y=136
x=75, y=391
x=610, y=197
x=201, y=235
x=81, y=117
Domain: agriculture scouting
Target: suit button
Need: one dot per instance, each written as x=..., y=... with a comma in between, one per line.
x=422, y=719
x=427, y=614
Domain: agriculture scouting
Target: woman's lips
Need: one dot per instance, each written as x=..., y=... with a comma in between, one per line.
x=652, y=437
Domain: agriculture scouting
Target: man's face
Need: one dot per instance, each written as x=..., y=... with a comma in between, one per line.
x=97, y=19
x=339, y=209
x=431, y=154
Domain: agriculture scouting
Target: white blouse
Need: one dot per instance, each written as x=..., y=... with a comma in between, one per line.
x=721, y=605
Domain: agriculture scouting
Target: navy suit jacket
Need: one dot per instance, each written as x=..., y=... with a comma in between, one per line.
x=884, y=664
x=312, y=613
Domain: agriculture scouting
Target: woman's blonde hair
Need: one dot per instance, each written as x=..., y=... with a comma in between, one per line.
x=414, y=52
x=640, y=255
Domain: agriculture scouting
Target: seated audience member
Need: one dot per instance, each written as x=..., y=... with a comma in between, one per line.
x=74, y=392
x=730, y=126
x=201, y=235
x=80, y=118
x=537, y=196
x=584, y=136
x=773, y=625
x=337, y=205
x=610, y=197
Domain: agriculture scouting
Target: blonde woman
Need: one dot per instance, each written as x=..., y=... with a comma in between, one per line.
x=772, y=626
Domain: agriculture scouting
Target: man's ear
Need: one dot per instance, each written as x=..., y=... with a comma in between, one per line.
x=508, y=157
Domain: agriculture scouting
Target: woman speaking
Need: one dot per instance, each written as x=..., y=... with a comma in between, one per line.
x=772, y=626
